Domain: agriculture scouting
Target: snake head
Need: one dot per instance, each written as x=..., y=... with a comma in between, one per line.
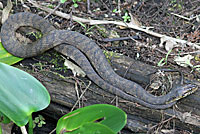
x=183, y=91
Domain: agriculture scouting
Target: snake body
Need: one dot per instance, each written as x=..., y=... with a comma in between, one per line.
x=86, y=53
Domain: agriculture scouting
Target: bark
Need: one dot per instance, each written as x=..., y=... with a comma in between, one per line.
x=183, y=116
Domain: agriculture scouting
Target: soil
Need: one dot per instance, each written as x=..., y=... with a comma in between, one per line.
x=160, y=15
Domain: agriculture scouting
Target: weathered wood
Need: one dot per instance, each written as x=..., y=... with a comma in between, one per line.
x=184, y=116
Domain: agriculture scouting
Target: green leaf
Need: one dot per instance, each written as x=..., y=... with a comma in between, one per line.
x=20, y=94
x=37, y=119
x=75, y=5
x=166, y=57
x=110, y=116
x=114, y=10
x=81, y=24
x=63, y=1
x=6, y=57
x=92, y=128
x=160, y=63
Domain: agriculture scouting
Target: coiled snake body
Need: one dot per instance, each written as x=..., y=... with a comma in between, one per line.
x=87, y=54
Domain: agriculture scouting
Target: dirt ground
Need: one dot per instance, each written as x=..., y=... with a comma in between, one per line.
x=174, y=18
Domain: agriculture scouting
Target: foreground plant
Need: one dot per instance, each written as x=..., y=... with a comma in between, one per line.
x=94, y=119
x=20, y=95
x=8, y=58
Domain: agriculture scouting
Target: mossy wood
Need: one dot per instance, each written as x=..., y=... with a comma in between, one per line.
x=140, y=119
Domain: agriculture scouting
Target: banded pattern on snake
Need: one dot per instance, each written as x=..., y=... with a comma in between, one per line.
x=87, y=54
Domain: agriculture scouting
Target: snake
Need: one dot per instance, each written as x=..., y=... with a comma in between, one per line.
x=88, y=55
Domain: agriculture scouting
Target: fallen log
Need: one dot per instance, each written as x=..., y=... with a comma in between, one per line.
x=65, y=93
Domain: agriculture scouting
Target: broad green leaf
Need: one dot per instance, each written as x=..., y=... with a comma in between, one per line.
x=110, y=116
x=6, y=57
x=92, y=128
x=20, y=94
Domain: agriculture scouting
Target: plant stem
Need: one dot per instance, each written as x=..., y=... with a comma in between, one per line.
x=30, y=127
x=23, y=129
x=0, y=129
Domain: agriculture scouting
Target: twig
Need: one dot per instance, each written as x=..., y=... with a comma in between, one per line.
x=88, y=7
x=153, y=127
x=163, y=52
x=77, y=93
x=105, y=6
x=118, y=6
x=121, y=38
x=129, y=25
x=53, y=10
x=127, y=70
x=191, y=12
x=76, y=102
x=52, y=131
x=22, y=2
x=183, y=17
x=81, y=95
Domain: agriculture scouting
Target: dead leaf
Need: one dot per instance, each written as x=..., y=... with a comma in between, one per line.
x=166, y=131
x=156, y=85
x=162, y=41
x=6, y=11
x=76, y=70
x=187, y=117
x=122, y=27
x=134, y=21
x=184, y=61
x=1, y=5
x=198, y=18
x=170, y=44
x=197, y=57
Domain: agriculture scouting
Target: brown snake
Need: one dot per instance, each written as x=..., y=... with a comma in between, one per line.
x=87, y=54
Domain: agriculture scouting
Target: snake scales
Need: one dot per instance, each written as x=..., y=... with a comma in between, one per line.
x=86, y=54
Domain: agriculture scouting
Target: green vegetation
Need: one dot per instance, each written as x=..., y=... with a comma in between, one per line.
x=37, y=35
x=39, y=121
x=163, y=61
x=197, y=67
x=114, y=10
x=8, y=58
x=86, y=120
x=87, y=30
x=51, y=6
x=21, y=95
x=109, y=55
x=126, y=17
x=175, y=4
